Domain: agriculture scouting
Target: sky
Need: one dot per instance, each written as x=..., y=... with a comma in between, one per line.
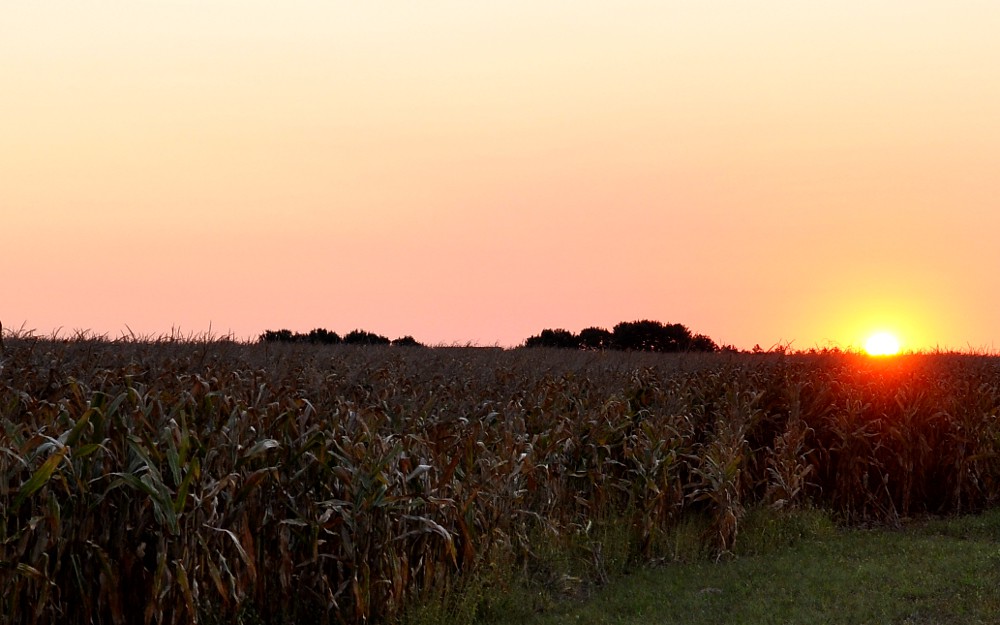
x=768, y=173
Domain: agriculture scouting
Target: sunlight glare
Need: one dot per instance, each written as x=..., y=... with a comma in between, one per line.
x=882, y=344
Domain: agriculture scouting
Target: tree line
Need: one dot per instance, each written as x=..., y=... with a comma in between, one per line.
x=322, y=336
x=644, y=336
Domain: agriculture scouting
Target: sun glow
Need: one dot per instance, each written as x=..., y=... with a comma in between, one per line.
x=882, y=344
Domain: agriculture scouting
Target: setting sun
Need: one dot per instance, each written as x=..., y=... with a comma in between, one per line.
x=882, y=344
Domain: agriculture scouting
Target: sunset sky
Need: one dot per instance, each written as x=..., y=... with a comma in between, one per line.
x=762, y=172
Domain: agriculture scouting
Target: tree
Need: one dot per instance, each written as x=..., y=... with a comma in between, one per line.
x=406, y=341
x=360, y=337
x=277, y=336
x=596, y=338
x=651, y=336
x=323, y=337
x=554, y=338
x=645, y=335
x=701, y=343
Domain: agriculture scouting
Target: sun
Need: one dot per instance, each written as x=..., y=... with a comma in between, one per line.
x=882, y=344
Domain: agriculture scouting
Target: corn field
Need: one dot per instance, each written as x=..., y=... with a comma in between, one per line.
x=179, y=482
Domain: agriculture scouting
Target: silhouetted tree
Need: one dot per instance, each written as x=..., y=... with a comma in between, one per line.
x=652, y=336
x=406, y=341
x=323, y=337
x=645, y=335
x=554, y=338
x=701, y=343
x=596, y=338
x=277, y=336
x=360, y=337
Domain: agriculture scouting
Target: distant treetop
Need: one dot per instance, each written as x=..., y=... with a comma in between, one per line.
x=645, y=335
x=320, y=336
x=554, y=338
x=360, y=337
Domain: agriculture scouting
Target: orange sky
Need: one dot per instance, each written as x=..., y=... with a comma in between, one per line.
x=477, y=171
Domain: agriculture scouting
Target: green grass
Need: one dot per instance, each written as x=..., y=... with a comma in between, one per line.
x=941, y=572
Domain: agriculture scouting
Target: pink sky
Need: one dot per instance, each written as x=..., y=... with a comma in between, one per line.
x=475, y=172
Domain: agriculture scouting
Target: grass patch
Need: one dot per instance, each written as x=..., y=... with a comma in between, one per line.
x=803, y=571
